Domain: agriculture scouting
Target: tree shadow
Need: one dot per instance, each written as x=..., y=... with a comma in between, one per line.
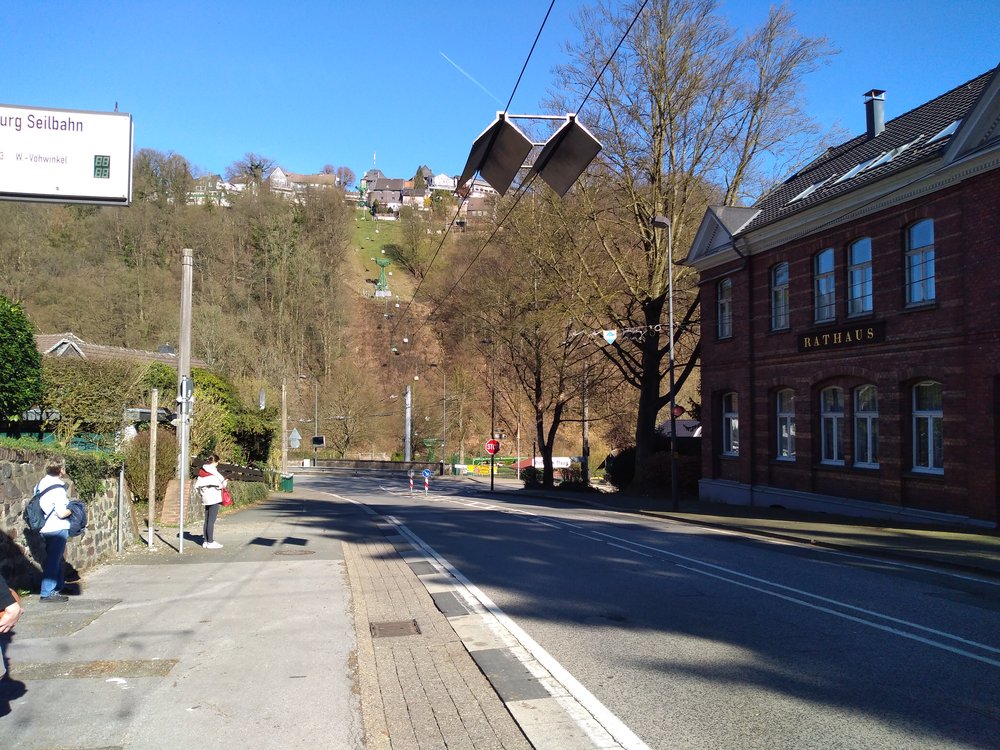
x=708, y=631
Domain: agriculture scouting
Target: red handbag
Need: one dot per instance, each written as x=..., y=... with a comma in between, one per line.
x=227, y=499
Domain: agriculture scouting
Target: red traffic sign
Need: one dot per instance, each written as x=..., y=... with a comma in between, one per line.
x=492, y=446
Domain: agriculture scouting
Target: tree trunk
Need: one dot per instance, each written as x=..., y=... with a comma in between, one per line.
x=649, y=393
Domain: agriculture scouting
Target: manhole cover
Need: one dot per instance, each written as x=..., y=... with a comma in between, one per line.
x=391, y=629
x=294, y=552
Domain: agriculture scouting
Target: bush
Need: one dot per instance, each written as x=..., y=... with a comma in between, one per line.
x=137, y=463
x=620, y=468
x=87, y=469
x=248, y=493
x=572, y=475
x=531, y=477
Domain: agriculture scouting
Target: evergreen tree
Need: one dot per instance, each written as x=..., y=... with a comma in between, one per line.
x=20, y=362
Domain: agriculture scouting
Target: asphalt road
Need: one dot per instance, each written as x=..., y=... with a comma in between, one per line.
x=695, y=638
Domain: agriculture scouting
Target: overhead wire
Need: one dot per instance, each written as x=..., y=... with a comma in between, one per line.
x=524, y=187
x=612, y=55
x=466, y=196
x=528, y=58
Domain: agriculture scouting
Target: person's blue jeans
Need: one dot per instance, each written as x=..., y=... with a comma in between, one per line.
x=52, y=573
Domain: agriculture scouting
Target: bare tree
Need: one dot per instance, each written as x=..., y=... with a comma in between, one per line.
x=251, y=169
x=345, y=177
x=689, y=113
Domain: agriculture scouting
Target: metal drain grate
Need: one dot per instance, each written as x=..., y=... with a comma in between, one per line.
x=392, y=629
x=294, y=552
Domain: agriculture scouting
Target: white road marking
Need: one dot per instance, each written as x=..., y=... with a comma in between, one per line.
x=632, y=545
x=624, y=736
x=818, y=597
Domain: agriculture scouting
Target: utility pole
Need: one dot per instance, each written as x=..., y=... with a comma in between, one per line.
x=407, y=448
x=184, y=385
x=316, y=421
x=444, y=416
x=585, y=458
x=493, y=419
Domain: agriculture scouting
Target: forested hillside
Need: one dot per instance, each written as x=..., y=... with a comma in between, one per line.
x=282, y=291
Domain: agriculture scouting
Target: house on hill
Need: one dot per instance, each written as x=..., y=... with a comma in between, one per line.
x=292, y=185
x=851, y=323
x=71, y=345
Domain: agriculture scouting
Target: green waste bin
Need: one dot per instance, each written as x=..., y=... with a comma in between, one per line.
x=286, y=482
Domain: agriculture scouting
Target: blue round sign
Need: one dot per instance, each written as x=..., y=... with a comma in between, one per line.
x=427, y=473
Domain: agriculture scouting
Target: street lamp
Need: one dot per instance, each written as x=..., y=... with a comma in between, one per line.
x=662, y=222
x=444, y=413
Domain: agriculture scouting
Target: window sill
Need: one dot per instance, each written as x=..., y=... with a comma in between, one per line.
x=924, y=474
x=918, y=306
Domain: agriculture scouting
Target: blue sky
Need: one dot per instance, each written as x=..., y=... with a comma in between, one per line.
x=315, y=82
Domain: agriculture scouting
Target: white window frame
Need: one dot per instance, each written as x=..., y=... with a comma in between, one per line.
x=731, y=424
x=831, y=428
x=920, y=289
x=724, y=307
x=780, y=319
x=784, y=408
x=928, y=432
x=859, y=278
x=824, y=288
x=865, y=428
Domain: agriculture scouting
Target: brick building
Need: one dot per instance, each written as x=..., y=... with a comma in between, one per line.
x=851, y=323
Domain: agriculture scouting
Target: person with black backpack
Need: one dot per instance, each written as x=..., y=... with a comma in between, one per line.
x=55, y=532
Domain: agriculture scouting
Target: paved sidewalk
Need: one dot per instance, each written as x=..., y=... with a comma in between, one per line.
x=255, y=646
x=244, y=647
x=419, y=686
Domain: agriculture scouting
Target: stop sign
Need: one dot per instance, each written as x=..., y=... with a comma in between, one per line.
x=492, y=446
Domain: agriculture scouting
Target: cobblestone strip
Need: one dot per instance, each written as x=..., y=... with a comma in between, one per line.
x=417, y=691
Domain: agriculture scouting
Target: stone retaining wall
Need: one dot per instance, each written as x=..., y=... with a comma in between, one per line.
x=22, y=551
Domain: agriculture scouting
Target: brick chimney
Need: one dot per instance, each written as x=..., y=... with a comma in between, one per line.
x=875, y=111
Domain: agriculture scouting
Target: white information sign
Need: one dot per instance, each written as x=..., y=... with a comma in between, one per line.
x=65, y=156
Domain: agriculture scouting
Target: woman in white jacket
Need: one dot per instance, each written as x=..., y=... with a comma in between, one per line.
x=209, y=486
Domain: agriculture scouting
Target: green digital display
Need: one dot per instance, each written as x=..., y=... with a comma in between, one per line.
x=102, y=167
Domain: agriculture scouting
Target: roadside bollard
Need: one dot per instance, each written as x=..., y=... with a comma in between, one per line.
x=411, y=481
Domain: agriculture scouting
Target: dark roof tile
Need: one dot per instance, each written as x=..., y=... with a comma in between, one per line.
x=916, y=127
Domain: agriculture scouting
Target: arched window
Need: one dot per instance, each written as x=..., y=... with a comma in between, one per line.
x=779, y=297
x=730, y=425
x=866, y=427
x=928, y=428
x=825, y=288
x=831, y=409
x=859, y=277
x=785, y=424
x=725, y=309
x=920, y=263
